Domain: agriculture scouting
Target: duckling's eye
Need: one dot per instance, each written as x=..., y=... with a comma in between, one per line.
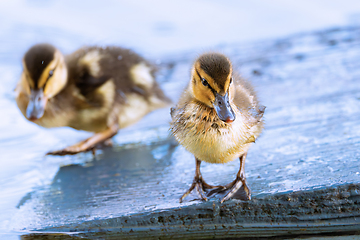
x=51, y=72
x=204, y=82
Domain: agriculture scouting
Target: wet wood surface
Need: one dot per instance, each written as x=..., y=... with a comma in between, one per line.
x=303, y=170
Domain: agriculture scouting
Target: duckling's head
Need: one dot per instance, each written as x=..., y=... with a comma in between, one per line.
x=210, y=82
x=45, y=75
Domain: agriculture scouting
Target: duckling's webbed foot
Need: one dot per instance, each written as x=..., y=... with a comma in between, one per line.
x=90, y=143
x=239, y=188
x=200, y=185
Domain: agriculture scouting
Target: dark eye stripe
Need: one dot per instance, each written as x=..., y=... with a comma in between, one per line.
x=51, y=73
x=208, y=85
x=198, y=74
x=203, y=81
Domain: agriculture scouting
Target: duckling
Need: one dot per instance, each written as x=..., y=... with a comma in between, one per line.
x=95, y=89
x=217, y=118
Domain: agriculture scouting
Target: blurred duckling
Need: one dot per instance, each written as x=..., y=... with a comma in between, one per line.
x=217, y=118
x=94, y=89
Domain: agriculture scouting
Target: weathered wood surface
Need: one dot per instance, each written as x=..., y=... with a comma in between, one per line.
x=303, y=171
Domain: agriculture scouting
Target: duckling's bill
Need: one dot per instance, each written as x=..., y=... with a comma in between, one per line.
x=223, y=108
x=36, y=105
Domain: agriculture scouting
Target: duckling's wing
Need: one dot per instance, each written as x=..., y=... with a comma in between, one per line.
x=172, y=112
x=246, y=100
x=129, y=73
x=86, y=73
x=261, y=110
x=175, y=112
x=87, y=83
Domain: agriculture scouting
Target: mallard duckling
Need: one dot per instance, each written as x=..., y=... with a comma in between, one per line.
x=217, y=118
x=94, y=89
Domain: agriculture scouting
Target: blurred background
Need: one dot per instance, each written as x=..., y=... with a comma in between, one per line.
x=162, y=27
x=159, y=27
x=155, y=29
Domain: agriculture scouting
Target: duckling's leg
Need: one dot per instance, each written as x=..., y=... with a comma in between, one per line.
x=88, y=144
x=239, y=186
x=199, y=184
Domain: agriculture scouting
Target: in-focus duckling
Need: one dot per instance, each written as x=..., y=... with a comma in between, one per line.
x=94, y=89
x=217, y=118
